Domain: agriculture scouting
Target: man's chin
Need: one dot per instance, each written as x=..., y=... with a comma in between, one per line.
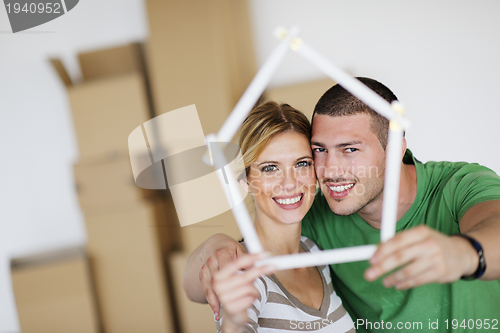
x=343, y=211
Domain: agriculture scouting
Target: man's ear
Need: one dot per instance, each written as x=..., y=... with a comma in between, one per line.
x=244, y=184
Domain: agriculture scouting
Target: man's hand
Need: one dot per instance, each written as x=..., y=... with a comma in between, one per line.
x=423, y=256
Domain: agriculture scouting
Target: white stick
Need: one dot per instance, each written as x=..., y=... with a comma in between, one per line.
x=233, y=195
x=255, y=89
x=325, y=257
x=391, y=182
x=354, y=86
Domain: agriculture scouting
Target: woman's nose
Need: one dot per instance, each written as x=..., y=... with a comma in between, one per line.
x=289, y=181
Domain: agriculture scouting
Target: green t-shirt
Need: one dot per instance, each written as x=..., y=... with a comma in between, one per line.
x=445, y=191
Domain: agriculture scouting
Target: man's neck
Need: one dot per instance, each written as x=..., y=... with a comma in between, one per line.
x=372, y=213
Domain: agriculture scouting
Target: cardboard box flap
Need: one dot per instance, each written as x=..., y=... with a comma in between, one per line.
x=47, y=257
x=112, y=61
x=62, y=72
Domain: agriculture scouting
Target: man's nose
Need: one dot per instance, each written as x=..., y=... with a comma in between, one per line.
x=334, y=166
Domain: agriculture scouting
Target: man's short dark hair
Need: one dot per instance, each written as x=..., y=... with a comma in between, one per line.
x=337, y=102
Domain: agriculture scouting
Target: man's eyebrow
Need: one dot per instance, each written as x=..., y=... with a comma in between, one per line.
x=319, y=144
x=349, y=143
x=340, y=145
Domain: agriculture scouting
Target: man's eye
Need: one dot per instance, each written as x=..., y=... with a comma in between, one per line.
x=304, y=164
x=269, y=168
x=319, y=150
x=351, y=150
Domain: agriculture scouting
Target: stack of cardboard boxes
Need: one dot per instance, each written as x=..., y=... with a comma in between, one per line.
x=199, y=52
x=130, y=230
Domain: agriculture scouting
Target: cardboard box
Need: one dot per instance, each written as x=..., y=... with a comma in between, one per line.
x=193, y=317
x=195, y=234
x=302, y=96
x=237, y=37
x=111, y=102
x=199, y=52
x=54, y=293
x=105, y=111
x=108, y=184
x=112, y=61
x=129, y=270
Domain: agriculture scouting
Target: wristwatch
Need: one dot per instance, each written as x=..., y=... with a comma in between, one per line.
x=481, y=266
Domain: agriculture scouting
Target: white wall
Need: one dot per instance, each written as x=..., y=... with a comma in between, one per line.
x=440, y=58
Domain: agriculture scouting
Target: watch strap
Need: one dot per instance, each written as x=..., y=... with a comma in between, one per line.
x=481, y=266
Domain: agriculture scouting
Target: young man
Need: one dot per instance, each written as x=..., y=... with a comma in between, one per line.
x=448, y=228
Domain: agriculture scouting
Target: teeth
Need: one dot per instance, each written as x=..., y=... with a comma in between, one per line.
x=288, y=201
x=340, y=188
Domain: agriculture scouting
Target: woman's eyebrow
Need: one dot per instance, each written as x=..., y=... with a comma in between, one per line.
x=304, y=157
x=276, y=162
x=265, y=162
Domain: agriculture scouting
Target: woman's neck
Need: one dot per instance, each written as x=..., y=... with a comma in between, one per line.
x=278, y=238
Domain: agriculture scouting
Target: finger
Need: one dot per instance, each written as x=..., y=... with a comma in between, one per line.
x=409, y=272
x=245, y=261
x=240, y=279
x=240, y=304
x=206, y=283
x=212, y=265
x=398, y=259
x=416, y=281
x=214, y=303
x=400, y=241
x=228, y=298
x=224, y=256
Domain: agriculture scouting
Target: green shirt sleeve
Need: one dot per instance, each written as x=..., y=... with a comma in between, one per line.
x=470, y=185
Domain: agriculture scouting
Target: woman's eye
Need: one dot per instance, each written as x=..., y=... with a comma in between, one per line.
x=304, y=164
x=269, y=168
x=351, y=150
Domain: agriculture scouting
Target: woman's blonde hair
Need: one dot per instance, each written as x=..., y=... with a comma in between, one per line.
x=264, y=123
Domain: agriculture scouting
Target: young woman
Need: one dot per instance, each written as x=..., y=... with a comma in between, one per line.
x=274, y=142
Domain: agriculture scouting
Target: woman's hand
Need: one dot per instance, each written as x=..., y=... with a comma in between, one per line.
x=236, y=291
x=211, y=256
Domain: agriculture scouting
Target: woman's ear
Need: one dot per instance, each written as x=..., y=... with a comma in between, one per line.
x=244, y=184
x=403, y=146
